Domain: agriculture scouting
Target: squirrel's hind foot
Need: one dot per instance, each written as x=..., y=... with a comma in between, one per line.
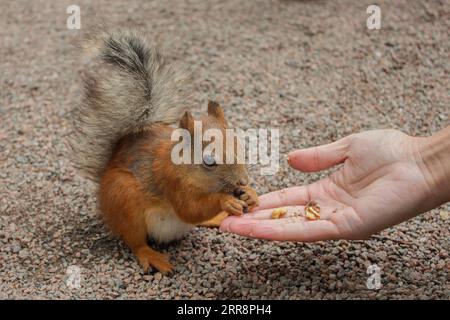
x=148, y=257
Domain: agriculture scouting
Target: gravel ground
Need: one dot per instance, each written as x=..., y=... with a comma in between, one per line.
x=310, y=68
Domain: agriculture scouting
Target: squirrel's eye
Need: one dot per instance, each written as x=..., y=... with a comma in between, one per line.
x=209, y=160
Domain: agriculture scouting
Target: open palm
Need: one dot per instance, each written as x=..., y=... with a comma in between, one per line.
x=381, y=183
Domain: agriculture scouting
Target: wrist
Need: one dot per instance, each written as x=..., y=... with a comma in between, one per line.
x=434, y=161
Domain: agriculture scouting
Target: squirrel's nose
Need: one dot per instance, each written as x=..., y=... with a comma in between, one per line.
x=242, y=182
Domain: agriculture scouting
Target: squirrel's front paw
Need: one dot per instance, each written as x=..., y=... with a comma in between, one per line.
x=248, y=195
x=234, y=206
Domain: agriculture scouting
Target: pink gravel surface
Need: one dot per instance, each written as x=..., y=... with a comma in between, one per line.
x=310, y=68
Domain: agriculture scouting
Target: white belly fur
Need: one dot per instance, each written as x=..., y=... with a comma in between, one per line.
x=163, y=225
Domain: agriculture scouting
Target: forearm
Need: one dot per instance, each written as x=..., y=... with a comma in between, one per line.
x=434, y=161
x=197, y=209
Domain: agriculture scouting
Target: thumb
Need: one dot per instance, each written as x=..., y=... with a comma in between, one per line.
x=320, y=157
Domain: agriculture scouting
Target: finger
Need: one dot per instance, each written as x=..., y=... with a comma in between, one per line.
x=319, y=158
x=285, y=197
x=267, y=213
x=292, y=229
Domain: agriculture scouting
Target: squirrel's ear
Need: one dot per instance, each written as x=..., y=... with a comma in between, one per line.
x=187, y=122
x=216, y=111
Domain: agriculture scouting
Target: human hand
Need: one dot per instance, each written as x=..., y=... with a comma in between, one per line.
x=383, y=181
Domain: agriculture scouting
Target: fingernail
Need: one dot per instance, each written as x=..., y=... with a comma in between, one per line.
x=288, y=159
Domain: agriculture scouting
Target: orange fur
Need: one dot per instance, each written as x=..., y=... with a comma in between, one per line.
x=141, y=177
x=216, y=221
x=123, y=205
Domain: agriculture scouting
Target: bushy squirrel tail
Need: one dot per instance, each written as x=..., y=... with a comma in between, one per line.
x=127, y=86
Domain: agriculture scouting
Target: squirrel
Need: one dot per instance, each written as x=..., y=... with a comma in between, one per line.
x=132, y=101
